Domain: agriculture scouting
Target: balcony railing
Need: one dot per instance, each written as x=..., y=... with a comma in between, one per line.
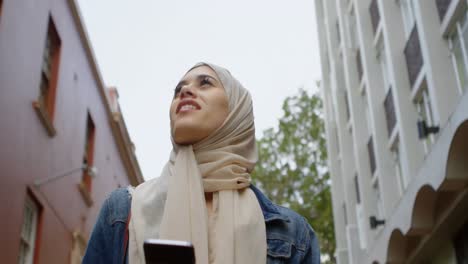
x=370, y=149
x=390, y=112
x=413, y=55
x=374, y=14
x=442, y=7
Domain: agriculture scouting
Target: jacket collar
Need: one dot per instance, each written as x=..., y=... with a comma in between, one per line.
x=269, y=209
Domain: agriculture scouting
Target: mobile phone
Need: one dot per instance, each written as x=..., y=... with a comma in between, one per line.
x=158, y=251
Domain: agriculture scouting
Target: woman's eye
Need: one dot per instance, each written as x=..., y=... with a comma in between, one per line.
x=205, y=81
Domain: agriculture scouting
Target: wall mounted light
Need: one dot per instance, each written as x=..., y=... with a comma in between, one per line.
x=91, y=170
x=424, y=130
x=374, y=222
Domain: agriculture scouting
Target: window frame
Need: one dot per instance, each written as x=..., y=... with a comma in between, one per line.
x=345, y=214
x=353, y=37
x=415, y=63
x=347, y=106
x=357, y=188
x=396, y=156
x=390, y=112
x=372, y=158
x=408, y=13
x=379, y=206
x=34, y=229
x=381, y=56
x=367, y=113
x=359, y=66
x=46, y=101
x=459, y=32
x=374, y=13
x=338, y=32
x=85, y=186
x=422, y=103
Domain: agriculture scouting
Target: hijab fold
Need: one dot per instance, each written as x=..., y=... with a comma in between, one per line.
x=173, y=206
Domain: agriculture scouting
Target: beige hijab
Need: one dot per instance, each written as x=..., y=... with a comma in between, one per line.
x=173, y=205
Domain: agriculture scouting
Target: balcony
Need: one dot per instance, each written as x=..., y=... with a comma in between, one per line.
x=390, y=112
x=413, y=55
x=442, y=7
x=374, y=14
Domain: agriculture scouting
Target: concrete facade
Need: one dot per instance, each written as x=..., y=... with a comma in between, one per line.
x=387, y=66
x=34, y=148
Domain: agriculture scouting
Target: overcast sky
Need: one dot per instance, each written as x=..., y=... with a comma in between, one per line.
x=143, y=47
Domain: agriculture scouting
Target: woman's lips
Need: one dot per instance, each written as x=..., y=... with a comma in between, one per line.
x=187, y=108
x=187, y=105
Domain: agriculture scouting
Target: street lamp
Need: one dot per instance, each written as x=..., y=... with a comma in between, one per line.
x=91, y=170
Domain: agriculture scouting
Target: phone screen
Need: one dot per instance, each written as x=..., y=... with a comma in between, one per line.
x=158, y=251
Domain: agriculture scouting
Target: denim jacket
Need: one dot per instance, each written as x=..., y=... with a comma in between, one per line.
x=290, y=239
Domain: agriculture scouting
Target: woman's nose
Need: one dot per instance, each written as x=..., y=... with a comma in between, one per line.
x=188, y=91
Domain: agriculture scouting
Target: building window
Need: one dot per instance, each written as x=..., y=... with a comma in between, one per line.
x=356, y=188
x=359, y=69
x=390, y=115
x=424, y=109
x=382, y=59
x=377, y=197
x=442, y=7
x=370, y=149
x=396, y=155
x=374, y=14
x=459, y=52
x=352, y=31
x=409, y=17
x=348, y=113
x=413, y=56
x=367, y=113
x=345, y=214
x=45, y=104
x=28, y=231
x=338, y=33
x=88, y=159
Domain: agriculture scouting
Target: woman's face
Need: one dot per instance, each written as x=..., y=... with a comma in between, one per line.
x=199, y=107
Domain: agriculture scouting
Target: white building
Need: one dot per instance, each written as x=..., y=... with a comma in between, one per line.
x=395, y=82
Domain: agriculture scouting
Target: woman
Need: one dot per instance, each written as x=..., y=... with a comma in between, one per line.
x=204, y=193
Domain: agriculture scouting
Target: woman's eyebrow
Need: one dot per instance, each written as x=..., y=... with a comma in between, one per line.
x=198, y=78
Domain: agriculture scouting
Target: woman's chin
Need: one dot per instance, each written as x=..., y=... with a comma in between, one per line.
x=186, y=138
x=183, y=141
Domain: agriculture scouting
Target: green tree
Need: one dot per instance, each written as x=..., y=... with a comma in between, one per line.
x=292, y=168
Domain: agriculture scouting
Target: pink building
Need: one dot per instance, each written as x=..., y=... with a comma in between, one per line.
x=60, y=126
